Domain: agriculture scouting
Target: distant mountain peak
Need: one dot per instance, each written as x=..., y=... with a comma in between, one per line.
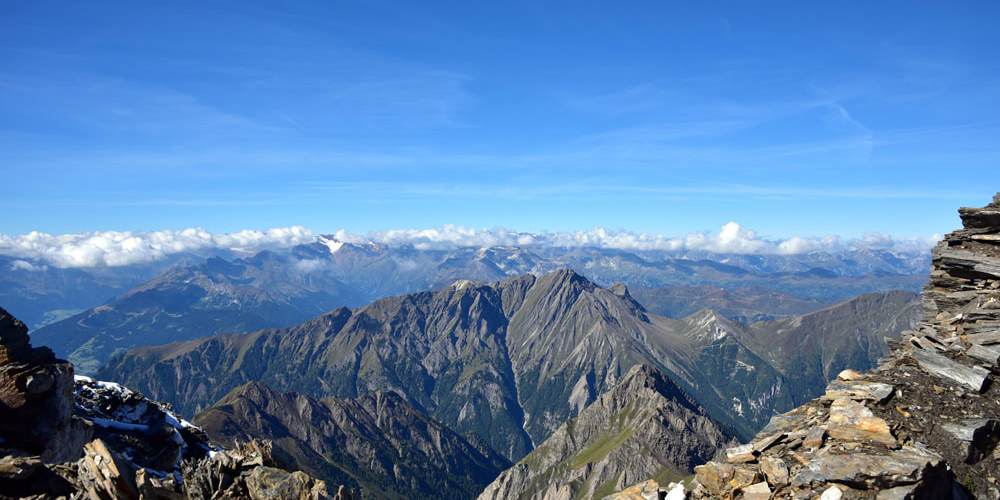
x=642, y=376
x=567, y=278
x=567, y=274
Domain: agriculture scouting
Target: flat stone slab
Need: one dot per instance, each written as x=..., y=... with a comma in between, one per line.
x=979, y=435
x=850, y=375
x=861, y=390
x=895, y=468
x=988, y=355
x=853, y=421
x=757, y=491
x=941, y=366
x=983, y=338
x=741, y=454
x=766, y=442
x=783, y=423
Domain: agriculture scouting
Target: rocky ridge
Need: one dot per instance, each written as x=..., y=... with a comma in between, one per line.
x=62, y=437
x=924, y=425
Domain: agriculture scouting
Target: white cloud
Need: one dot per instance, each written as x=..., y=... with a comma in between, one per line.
x=306, y=266
x=119, y=248
x=731, y=238
x=113, y=248
x=23, y=265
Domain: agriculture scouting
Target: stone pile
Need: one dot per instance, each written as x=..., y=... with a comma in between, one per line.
x=924, y=425
x=66, y=437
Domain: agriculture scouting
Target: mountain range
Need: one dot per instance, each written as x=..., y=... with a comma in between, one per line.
x=111, y=309
x=214, y=296
x=511, y=361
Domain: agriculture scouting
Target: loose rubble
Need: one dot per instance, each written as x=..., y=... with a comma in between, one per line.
x=924, y=425
x=79, y=438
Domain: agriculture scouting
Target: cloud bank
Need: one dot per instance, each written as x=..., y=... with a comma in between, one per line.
x=120, y=248
x=731, y=238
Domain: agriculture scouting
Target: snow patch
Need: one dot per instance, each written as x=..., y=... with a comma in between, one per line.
x=463, y=284
x=738, y=406
x=675, y=491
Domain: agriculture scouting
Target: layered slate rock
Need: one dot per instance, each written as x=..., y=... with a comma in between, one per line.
x=923, y=425
x=378, y=444
x=646, y=426
x=66, y=438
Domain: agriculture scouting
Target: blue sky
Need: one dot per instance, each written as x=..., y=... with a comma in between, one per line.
x=667, y=117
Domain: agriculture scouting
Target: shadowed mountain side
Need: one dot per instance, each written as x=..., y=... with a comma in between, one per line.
x=376, y=442
x=812, y=349
x=745, y=305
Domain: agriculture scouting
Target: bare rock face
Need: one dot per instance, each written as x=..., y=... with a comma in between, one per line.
x=66, y=437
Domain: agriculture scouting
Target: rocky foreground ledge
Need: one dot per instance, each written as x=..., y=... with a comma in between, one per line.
x=924, y=425
x=66, y=437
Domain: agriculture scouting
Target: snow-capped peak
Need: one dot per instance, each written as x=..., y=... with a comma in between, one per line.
x=331, y=243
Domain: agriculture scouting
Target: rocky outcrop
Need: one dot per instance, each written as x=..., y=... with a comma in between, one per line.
x=922, y=425
x=62, y=437
x=36, y=398
x=645, y=426
x=377, y=443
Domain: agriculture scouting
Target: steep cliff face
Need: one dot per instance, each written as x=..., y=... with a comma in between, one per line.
x=925, y=424
x=376, y=443
x=643, y=427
